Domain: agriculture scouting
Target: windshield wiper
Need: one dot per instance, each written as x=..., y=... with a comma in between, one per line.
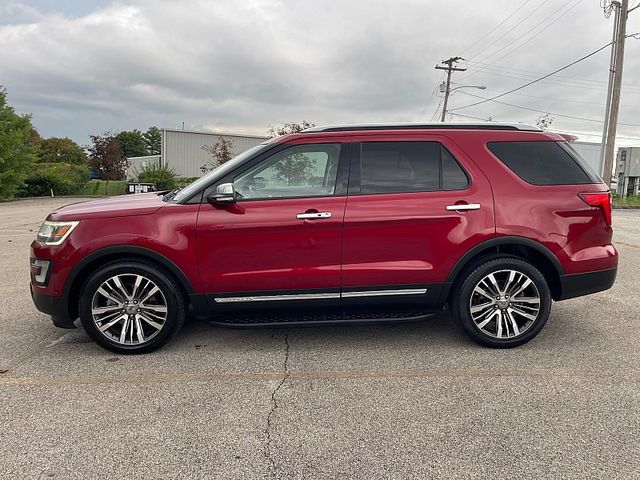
x=169, y=195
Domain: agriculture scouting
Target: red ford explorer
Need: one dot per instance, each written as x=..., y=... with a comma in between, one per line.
x=360, y=223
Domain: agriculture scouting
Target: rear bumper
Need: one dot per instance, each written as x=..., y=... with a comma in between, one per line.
x=54, y=306
x=579, y=284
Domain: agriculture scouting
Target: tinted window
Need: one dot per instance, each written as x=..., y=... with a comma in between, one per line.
x=453, y=177
x=394, y=167
x=541, y=163
x=299, y=171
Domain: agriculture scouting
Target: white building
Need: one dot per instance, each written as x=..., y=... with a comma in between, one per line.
x=628, y=171
x=182, y=150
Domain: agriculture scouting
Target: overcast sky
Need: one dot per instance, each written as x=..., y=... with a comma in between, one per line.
x=83, y=67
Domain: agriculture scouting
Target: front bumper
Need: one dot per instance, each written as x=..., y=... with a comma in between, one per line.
x=579, y=284
x=57, y=307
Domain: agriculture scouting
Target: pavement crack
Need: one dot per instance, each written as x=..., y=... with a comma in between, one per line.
x=267, y=451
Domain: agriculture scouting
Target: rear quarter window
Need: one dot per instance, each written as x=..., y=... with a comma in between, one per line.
x=543, y=163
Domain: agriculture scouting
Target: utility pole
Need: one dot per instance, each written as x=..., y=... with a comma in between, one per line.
x=449, y=68
x=612, y=120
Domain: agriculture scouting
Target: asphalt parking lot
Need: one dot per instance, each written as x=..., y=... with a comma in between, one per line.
x=378, y=402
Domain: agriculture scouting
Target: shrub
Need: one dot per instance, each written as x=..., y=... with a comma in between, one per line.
x=163, y=177
x=61, y=178
x=103, y=187
x=184, y=181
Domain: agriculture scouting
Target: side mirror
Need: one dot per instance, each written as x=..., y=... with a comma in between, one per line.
x=225, y=195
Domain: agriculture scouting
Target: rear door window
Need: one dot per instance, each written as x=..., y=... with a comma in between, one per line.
x=404, y=167
x=543, y=163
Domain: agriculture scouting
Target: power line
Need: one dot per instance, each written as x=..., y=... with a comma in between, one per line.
x=632, y=89
x=626, y=137
x=429, y=100
x=522, y=73
x=435, y=114
x=537, y=79
x=516, y=25
x=512, y=50
x=548, y=112
x=553, y=130
x=554, y=99
x=496, y=27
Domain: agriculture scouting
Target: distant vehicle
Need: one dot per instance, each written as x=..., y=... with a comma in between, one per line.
x=359, y=223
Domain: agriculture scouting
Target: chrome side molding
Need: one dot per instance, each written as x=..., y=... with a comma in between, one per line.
x=322, y=296
x=384, y=293
x=278, y=298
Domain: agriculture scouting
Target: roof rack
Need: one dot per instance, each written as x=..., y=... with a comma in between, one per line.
x=425, y=126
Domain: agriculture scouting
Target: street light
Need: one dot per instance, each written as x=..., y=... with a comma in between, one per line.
x=447, y=91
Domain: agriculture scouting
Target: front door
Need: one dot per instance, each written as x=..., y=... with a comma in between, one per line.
x=280, y=243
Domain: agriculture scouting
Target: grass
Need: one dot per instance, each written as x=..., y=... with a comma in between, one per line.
x=627, y=202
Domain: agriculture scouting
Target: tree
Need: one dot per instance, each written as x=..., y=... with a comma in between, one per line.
x=221, y=152
x=296, y=168
x=17, y=151
x=288, y=128
x=64, y=150
x=132, y=143
x=106, y=157
x=152, y=140
x=544, y=121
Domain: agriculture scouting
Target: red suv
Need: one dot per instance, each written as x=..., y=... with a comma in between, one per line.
x=360, y=223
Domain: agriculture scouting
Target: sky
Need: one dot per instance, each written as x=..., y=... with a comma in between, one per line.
x=83, y=67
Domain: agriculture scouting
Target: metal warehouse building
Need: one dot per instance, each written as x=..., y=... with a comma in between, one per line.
x=182, y=150
x=628, y=171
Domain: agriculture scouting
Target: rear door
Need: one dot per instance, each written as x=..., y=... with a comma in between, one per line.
x=416, y=204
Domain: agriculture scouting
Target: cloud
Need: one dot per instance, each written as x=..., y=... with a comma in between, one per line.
x=243, y=65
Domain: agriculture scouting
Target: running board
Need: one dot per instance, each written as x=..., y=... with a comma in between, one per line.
x=319, y=318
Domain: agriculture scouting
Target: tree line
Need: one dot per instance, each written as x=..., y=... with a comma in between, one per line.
x=31, y=165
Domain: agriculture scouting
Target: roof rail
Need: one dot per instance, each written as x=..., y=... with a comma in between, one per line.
x=424, y=126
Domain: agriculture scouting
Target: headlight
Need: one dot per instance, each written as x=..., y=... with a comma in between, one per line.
x=54, y=233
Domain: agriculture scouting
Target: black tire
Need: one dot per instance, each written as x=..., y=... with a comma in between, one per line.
x=461, y=302
x=168, y=291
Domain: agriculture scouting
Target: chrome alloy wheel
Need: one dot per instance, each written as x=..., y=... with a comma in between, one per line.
x=505, y=304
x=129, y=309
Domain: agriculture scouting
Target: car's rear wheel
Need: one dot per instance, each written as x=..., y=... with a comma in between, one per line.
x=502, y=302
x=131, y=307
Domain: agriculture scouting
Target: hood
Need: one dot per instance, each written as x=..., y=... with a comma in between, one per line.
x=119, y=206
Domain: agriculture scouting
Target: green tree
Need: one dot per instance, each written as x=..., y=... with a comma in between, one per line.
x=297, y=167
x=106, y=157
x=132, y=143
x=17, y=151
x=61, y=150
x=152, y=140
x=221, y=152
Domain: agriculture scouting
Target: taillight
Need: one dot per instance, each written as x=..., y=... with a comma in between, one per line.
x=601, y=200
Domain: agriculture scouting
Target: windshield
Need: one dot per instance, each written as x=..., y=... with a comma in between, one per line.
x=188, y=191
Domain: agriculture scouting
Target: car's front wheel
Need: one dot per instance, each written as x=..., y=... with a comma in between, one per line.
x=131, y=307
x=502, y=302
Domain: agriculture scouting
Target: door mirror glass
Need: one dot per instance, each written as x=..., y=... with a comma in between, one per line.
x=225, y=194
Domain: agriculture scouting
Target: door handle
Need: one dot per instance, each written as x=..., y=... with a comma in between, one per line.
x=313, y=215
x=464, y=206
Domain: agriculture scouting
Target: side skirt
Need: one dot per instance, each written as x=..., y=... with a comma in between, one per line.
x=357, y=305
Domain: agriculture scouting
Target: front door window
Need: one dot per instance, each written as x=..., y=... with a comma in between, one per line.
x=298, y=171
